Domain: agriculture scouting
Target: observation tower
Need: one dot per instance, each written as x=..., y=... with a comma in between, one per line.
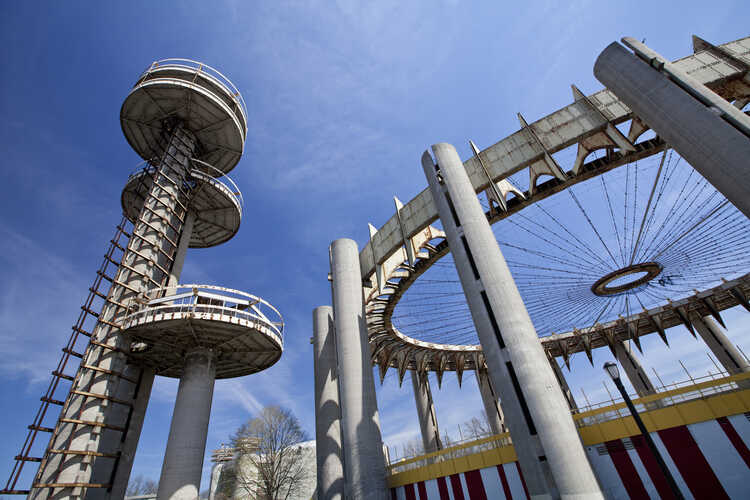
x=188, y=122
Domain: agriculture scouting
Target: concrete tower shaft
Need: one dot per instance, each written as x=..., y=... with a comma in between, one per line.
x=97, y=395
x=543, y=433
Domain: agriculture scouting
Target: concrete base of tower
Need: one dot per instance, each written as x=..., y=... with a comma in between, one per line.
x=183, y=460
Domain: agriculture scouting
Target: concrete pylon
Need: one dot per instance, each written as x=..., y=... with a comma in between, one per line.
x=327, y=411
x=145, y=377
x=537, y=414
x=633, y=368
x=186, y=445
x=426, y=412
x=716, y=340
x=689, y=117
x=364, y=463
x=492, y=408
x=563, y=384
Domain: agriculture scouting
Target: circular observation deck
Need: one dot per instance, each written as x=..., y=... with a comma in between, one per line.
x=216, y=202
x=244, y=332
x=204, y=100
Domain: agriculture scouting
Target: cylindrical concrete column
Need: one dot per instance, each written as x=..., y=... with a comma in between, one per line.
x=426, y=412
x=492, y=409
x=364, y=464
x=713, y=146
x=563, y=384
x=183, y=460
x=716, y=340
x=536, y=411
x=633, y=368
x=327, y=411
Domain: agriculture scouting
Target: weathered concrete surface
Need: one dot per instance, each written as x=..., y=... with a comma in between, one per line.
x=186, y=445
x=492, y=408
x=364, y=463
x=428, y=424
x=536, y=411
x=714, y=147
x=635, y=372
x=563, y=384
x=721, y=347
x=330, y=469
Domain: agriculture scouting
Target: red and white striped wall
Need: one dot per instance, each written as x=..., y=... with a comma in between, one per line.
x=709, y=460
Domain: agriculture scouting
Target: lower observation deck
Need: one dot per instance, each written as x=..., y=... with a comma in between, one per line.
x=244, y=332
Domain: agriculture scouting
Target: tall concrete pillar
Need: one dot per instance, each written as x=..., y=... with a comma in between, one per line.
x=563, y=384
x=145, y=377
x=633, y=368
x=492, y=409
x=426, y=412
x=716, y=340
x=186, y=445
x=536, y=411
x=327, y=411
x=364, y=464
x=691, y=118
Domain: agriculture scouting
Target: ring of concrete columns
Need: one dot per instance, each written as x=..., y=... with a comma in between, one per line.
x=200, y=97
x=216, y=202
x=244, y=332
x=400, y=251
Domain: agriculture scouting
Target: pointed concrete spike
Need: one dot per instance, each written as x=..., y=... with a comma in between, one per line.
x=656, y=321
x=439, y=374
x=685, y=321
x=586, y=339
x=403, y=363
x=709, y=303
x=740, y=297
x=399, y=205
x=700, y=44
x=522, y=121
x=633, y=332
x=459, y=361
x=382, y=368
x=372, y=229
x=577, y=94
x=474, y=147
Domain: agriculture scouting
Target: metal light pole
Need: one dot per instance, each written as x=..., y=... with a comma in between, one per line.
x=614, y=373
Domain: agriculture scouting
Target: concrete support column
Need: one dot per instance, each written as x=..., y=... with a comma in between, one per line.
x=633, y=368
x=687, y=116
x=537, y=414
x=364, y=464
x=563, y=384
x=426, y=412
x=327, y=411
x=183, y=460
x=492, y=409
x=145, y=377
x=716, y=340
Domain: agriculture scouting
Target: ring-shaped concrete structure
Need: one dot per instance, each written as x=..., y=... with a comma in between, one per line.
x=216, y=201
x=407, y=245
x=244, y=332
x=196, y=95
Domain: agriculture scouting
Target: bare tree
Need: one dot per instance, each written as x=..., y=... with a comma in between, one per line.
x=269, y=464
x=139, y=485
x=477, y=427
x=412, y=448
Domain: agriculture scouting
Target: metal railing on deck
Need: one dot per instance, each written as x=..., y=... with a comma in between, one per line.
x=697, y=388
x=460, y=450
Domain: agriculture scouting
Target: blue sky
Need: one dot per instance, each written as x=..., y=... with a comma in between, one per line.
x=343, y=97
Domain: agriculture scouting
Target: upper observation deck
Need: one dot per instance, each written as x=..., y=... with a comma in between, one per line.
x=244, y=332
x=197, y=95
